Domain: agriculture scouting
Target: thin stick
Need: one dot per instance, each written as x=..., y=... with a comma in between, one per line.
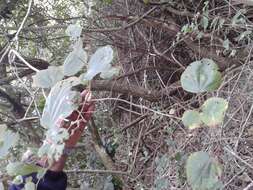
x=18, y=31
x=22, y=59
x=239, y=158
x=139, y=106
x=97, y=171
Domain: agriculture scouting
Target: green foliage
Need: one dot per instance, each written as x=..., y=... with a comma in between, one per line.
x=205, y=19
x=213, y=111
x=201, y=76
x=48, y=77
x=76, y=59
x=203, y=172
x=53, y=146
x=7, y=140
x=20, y=168
x=30, y=186
x=100, y=62
x=60, y=102
x=18, y=180
x=41, y=103
x=212, y=114
x=226, y=44
x=239, y=18
x=191, y=119
x=74, y=31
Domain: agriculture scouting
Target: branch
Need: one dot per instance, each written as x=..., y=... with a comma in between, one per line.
x=97, y=172
x=125, y=88
x=97, y=142
x=87, y=30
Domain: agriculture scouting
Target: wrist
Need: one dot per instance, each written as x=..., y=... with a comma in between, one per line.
x=58, y=165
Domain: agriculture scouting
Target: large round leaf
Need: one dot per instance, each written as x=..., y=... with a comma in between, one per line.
x=60, y=102
x=213, y=111
x=48, y=77
x=20, y=168
x=113, y=71
x=203, y=172
x=99, y=62
x=201, y=76
x=191, y=119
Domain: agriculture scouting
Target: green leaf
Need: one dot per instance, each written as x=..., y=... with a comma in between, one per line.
x=20, y=168
x=48, y=77
x=76, y=59
x=74, y=31
x=191, y=119
x=99, y=62
x=239, y=18
x=203, y=172
x=60, y=103
x=201, y=76
x=54, y=144
x=226, y=44
x=18, y=180
x=7, y=140
x=30, y=186
x=113, y=71
x=213, y=111
x=205, y=22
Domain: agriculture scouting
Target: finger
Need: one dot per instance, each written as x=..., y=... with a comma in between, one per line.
x=86, y=96
x=90, y=110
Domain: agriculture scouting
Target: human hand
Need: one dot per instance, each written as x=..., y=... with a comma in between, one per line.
x=78, y=119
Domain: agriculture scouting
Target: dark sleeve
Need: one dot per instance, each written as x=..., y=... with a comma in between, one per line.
x=51, y=181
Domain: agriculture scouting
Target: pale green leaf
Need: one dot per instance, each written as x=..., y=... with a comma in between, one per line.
x=99, y=62
x=226, y=44
x=18, y=180
x=213, y=111
x=201, y=76
x=30, y=186
x=54, y=144
x=76, y=59
x=83, y=80
x=74, y=31
x=20, y=168
x=205, y=21
x=48, y=77
x=203, y=172
x=239, y=18
x=113, y=71
x=61, y=102
x=191, y=119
